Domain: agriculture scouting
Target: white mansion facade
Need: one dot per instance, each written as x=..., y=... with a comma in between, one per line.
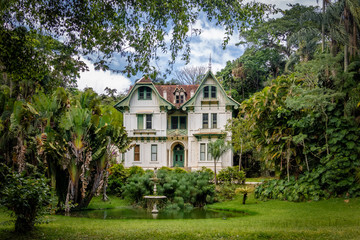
x=171, y=125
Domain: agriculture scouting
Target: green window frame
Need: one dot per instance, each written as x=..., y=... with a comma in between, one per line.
x=140, y=121
x=148, y=121
x=205, y=120
x=206, y=92
x=213, y=92
x=202, y=151
x=144, y=93
x=178, y=122
x=214, y=120
x=154, y=152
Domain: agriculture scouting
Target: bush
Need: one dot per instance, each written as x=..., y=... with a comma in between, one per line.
x=231, y=175
x=225, y=192
x=117, y=178
x=180, y=187
x=136, y=187
x=136, y=170
x=25, y=196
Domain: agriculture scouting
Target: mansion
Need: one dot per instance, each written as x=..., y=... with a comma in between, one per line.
x=171, y=125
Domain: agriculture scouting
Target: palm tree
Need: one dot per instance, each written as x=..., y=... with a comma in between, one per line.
x=217, y=149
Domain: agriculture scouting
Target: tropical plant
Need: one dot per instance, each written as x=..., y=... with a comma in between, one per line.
x=25, y=195
x=217, y=149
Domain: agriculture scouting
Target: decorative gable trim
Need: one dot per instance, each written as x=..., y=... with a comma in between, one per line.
x=191, y=102
x=124, y=104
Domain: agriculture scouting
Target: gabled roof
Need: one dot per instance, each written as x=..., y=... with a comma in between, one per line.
x=229, y=100
x=168, y=100
x=125, y=102
x=170, y=89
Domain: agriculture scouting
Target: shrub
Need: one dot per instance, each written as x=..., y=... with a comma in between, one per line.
x=136, y=187
x=117, y=178
x=225, y=192
x=133, y=170
x=231, y=175
x=207, y=170
x=25, y=196
x=180, y=187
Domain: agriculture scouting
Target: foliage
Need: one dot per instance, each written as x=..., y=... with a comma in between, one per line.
x=117, y=178
x=25, y=195
x=136, y=187
x=190, y=75
x=135, y=30
x=245, y=191
x=180, y=187
x=231, y=175
x=217, y=149
x=225, y=192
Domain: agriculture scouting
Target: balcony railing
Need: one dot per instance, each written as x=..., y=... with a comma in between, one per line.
x=177, y=132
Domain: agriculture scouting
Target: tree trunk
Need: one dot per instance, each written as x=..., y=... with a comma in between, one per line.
x=244, y=198
x=306, y=160
x=240, y=156
x=323, y=28
x=215, y=171
x=346, y=58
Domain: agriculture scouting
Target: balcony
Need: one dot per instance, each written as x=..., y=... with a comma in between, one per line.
x=177, y=132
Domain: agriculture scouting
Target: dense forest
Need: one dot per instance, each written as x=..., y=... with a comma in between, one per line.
x=298, y=84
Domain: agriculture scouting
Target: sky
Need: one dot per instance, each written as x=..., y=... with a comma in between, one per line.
x=208, y=42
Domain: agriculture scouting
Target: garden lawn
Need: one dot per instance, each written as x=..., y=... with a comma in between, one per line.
x=330, y=219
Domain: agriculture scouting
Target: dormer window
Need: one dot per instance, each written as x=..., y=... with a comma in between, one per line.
x=179, y=95
x=209, y=91
x=144, y=93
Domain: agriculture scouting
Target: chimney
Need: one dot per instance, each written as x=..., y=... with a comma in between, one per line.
x=165, y=94
x=191, y=93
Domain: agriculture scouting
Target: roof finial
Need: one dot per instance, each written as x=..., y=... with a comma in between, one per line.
x=210, y=63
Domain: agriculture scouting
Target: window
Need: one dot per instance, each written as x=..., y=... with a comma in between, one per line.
x=214, y=120
x=205, y=120
x=148, y=121
x=182, y=122
x=206, y=92
x=202, y=151
x=213, y=92
x=209, y=157
x=177, y=98
x=174, y=122
x=140, y=121
x=182, y=97
x=144, y=93
x=137, y=153
x=153, y=152
x=178, y=122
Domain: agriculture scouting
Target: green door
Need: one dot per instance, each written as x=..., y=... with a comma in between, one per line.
x=178, y=156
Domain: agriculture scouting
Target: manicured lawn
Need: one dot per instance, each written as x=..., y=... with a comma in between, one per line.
x=330, y=219
x=259, y=179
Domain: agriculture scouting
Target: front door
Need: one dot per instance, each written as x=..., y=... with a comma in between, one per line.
x=178, y=156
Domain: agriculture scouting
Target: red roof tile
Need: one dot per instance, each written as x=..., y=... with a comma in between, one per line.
x=170, y=90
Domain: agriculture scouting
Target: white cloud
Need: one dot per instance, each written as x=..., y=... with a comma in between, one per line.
x=99, y=80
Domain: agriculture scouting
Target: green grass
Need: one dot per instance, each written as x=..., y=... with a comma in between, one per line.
x=330, y=219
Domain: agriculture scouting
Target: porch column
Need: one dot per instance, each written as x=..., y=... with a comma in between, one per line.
x=186, y=158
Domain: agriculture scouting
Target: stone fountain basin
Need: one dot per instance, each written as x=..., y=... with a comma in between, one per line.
x=155, y=197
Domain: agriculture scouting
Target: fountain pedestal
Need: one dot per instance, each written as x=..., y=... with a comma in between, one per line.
x=154, y=197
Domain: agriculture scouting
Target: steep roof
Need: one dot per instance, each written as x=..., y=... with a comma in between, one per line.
x=170, y=89
x=166, y=96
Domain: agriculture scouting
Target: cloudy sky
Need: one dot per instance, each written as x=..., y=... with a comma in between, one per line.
x=209, y=42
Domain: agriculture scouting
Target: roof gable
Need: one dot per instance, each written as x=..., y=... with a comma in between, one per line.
x=209, y=74
x=125, y=102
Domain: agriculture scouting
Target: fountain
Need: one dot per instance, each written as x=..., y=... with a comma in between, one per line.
x=154, y=198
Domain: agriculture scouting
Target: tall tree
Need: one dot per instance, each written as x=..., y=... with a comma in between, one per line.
x=190, y=75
